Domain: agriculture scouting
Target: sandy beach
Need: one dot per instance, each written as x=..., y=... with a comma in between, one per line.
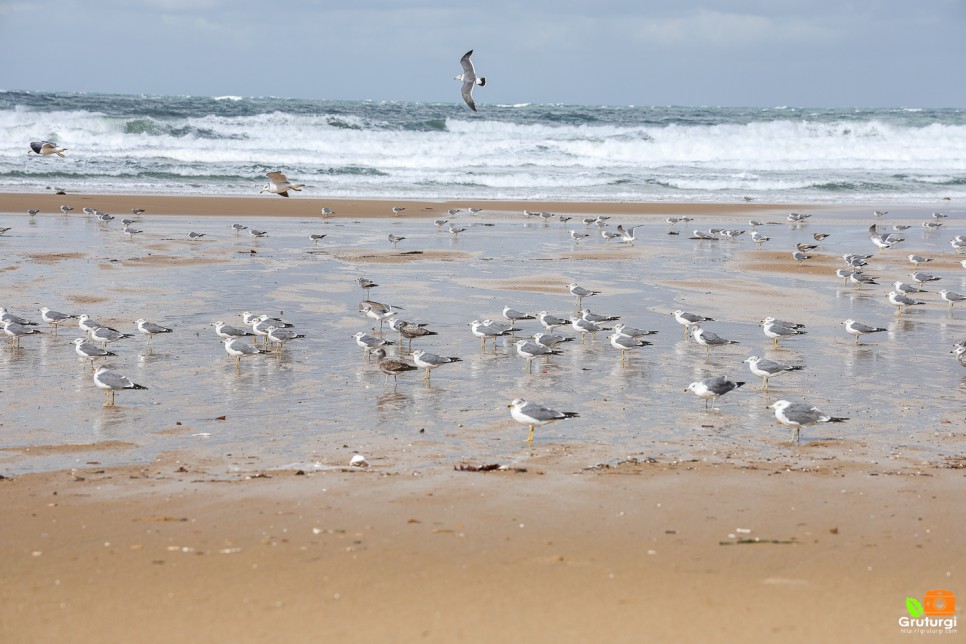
x=218, y=505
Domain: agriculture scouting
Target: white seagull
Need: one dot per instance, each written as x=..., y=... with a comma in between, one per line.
x=798, y=414
x=112, y=381
x=279, y=184
x=533, y=414
x=46, y=148
x=469, y=79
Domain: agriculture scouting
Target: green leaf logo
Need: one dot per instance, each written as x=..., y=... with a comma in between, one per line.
x=914, y=607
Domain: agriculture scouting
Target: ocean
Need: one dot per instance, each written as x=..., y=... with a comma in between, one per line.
x=370, y=149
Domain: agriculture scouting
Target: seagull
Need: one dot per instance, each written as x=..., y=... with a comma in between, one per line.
x=409, y=330
x=397, y=209
x=46, y=148
x=922, y=278
x=7, y=316
x=236, y=348
x=379, y=315
x=17, y=331
x=901, y=301
x=712, y=388
x=430, y=361
x=106, y=334
x=858, y=329
x=366, y=284
x=369, y=342
x=960, y=354
x=469, y=79
x=590, y=316
x=626, y=343
x=193, y=236
x=514, y=316
x=623, y=329
x=483, y=332
x=551, y=339
x=951, y=297
x=583, y=327
x=393, y=239
x=327, y=212
x=112, y=381
x=279, y=184
x=238, y=228
x=32, y=212
x=859, y=278
x=574, y=235
x=66, y=209
x=758, y=238
x=53, y=318
x=453, y=230
x=137, y=212
x=709, y=339
x=391, y=366
x=798, y=414
x=4, y=229
x=228, y=332
x=316, y=238
x=90, y=351
x=550, y=322
x=689, y=319
x=254, y=232
x=776, y=329
x=530, y=349
x=150, y=329
x=919, y=259
x=280, y=336
x=902, y=287
x=768, y=368
x=533, y=414
x=580, y=292
x=627, y=235
x=820, y=236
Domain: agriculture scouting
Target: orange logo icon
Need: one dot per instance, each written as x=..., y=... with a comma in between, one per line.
x=939, y=603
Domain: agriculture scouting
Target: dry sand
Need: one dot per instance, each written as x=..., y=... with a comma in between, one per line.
x=180, y=550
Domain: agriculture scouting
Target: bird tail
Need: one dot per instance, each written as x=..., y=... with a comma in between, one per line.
x=571, y=414
x=738, y=384
x=137, y=386
x=835, y=419
x=481, y=81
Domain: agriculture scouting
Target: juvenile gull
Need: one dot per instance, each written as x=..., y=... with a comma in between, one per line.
x=469, y=79
x=112, y=381
x=46, y=148
x=392, y=366
x=712, y=388
x=858, y=329
x=798, y=414
x=429, y=361
x=768, y=368
x=533, y=414
x=409, y=330
x=279, y=184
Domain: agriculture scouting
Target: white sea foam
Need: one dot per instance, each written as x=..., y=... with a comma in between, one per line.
x=224, y=144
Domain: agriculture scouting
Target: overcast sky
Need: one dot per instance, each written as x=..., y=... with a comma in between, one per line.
x=816, y=53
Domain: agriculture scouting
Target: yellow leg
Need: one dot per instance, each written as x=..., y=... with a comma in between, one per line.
x=530, y=435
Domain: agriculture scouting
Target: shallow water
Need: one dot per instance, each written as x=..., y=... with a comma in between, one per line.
x=321, y=400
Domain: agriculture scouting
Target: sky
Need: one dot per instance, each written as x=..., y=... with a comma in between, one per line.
x=809, y=53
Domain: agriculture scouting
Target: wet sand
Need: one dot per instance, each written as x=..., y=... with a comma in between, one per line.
x=218, y=505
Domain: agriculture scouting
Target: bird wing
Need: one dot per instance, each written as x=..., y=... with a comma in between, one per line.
x=276, y=177
x=469, y=73
x=467, y=92
x=114, y=380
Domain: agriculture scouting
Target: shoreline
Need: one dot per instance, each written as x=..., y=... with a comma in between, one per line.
x=551, y=552
x=299, y=206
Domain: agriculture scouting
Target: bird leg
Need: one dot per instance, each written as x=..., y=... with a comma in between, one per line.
x=530, y=435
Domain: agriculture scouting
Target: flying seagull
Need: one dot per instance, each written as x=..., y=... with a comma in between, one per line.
x=46, y=148
x=279, y=184
x=469, y=79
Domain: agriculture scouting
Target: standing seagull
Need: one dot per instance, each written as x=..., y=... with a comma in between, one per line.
x=46, y=148
x=150, y=329
x=112, y=381
x=469, y=79
x=430, y=361
x=797, y=415
x=712, y=388
x=279, y=184
x=533, y=414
